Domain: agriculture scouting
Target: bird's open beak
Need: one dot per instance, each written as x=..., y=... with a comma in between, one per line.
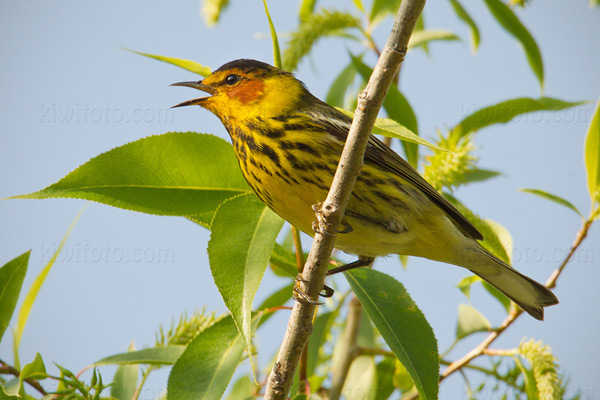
x=196, y=85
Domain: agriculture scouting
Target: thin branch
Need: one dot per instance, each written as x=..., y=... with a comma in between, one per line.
x=331, y=212
x=513, y=315
x=7, y=369
x=349, y=347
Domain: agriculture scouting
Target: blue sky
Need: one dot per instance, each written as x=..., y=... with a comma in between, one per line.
x=69, y=93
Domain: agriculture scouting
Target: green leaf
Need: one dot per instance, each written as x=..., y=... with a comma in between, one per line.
x=242, y=239
x=307, y=8
x=384, y=372
x=402, y=379
x=34, y=370
x=505, y=111
x=10, y=389
x=528, y=379
x=556, y=199
x=125, y=380
x=381, y=9
x=12, y=275
x=164, y=355
x=592, y=155
x=509, y=21
x=279, y=298
x=466, y=18
x=188, y=65
x=391, y=128
x=206, y=366
x=283, y=262
x=401, y=324
x=276, y=51
x=423, y=37
x=465, y=285
x=171, y=174
x=241, y=389
x=470, y=321
x=36, y=286
x=321, y=329
x=337, y=92
x=478, y=175
x=324, y=23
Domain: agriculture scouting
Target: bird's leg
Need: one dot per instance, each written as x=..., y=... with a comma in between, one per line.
x=361, y=262
x=300, y=296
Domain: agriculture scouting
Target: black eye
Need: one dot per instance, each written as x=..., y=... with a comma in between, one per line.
x=232, y=79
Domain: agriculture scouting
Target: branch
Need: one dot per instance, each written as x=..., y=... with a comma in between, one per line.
x=331, y=212
x=482, y=347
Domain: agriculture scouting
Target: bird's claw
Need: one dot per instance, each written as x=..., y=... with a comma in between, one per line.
x=300, y=296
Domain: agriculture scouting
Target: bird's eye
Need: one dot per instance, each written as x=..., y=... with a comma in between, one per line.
x=232, y=79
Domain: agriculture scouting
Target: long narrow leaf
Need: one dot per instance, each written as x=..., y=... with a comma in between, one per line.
x=243, y=234
x=554, y=198
x=164, y=355
x=592, y=156
x=337, y=92
x=37, y=285
x=188, y=65
x=509, y=21
x=125, y=380
x=401, y=324
x=466, y=18
x=12, y=275
x=505, y=111
x=276, y=51
x=424, y=37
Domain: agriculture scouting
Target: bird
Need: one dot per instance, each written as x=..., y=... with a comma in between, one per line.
x=288, y=145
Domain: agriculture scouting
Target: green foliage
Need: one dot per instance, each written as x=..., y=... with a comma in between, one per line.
x=314, y=27
x=220, y=348
x=125, y=380
x=242, y=239
x=276, y=52
x=392, y=311
x=464, y=16
x=470, y=321
x=12, y=275
x=509, y=21
x=592, y=156
x=71, y=387
x=554, y=198
x=188, y=65
x=423, y=37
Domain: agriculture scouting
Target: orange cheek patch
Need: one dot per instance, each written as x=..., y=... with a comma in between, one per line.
x=247, y=91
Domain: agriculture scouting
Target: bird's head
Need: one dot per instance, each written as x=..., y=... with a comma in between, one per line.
x=244, y=89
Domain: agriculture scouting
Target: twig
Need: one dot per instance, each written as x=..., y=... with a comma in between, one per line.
x=349, y=347
x=513, y=315
x=7, y=369
x=331, y=212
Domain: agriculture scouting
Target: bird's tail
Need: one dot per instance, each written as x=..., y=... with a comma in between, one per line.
x=528, y=294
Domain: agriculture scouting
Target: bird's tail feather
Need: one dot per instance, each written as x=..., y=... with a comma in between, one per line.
x=528, y=294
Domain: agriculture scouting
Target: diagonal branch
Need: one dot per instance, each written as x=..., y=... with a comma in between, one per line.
x=331, y=212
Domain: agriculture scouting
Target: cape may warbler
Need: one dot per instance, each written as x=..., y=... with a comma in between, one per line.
x=288, y=144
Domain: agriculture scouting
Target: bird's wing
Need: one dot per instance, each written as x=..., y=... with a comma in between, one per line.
x=378, y=153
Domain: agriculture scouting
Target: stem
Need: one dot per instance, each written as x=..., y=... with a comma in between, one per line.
x=482, y=347
x=7, y=369
x=138, y=390
x=331, y=212
x=350, y=344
